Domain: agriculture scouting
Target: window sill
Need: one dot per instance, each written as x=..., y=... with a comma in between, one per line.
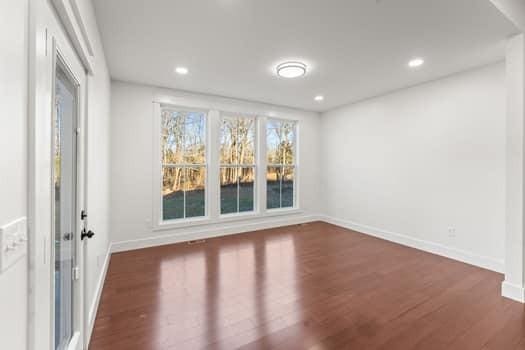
x=238, y=216
x=181, y=223
x=226, y=218
x=282, y=212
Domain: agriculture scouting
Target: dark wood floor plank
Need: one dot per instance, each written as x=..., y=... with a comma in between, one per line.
x=313, y=286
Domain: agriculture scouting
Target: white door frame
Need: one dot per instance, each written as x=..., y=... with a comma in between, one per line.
x=47, y=42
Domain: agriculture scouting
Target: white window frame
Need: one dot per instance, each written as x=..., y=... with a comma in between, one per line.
x=158, y=221
x=255, y=166
x=295, y=166
x=212, y=191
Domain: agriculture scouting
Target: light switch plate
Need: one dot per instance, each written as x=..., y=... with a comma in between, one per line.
x=13, y=243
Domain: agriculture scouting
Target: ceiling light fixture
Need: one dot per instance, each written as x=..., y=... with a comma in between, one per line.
x=181, y=70
x=291, y=69
x=416, y=62
x=319, y=98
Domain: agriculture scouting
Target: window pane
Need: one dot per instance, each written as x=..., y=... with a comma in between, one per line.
x=237, y=149
x=246, y=140
x=194, y=137
x=287, y=142
x=172, y=193
x=183, y=142
x=273, y=187
x=228, y=190
x=287, y=188
x=65, y=163
x=229, y=154
x=273, y=142
x=172, y=137
x=195, y=191
x=246, y=187
x=280, y=139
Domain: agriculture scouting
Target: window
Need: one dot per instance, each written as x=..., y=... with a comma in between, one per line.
x=184, y=174
x=183, y=146
x=280, y=175
x=237, y=164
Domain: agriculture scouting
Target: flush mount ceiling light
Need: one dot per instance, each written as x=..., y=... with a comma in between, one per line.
x=319, y=98
x=416, y=62
x=181, y=70
x=291, y=69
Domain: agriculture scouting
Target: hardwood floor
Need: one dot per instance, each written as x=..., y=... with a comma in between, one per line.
x=313, y=286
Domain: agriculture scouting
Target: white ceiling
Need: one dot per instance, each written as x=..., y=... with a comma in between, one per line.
x=354, y=48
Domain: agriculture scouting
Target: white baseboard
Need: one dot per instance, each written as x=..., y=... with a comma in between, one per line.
x=240, y=227
x=96, y=300
x=203, y=233
x=513, y=291
x=428, y=246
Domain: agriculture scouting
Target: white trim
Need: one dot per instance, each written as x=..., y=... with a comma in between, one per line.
x=75, y=342
x=96, y=300
x=69, y=14
x=82, y=27
x=514, y=10
x=424, y=245
x=513, y=291
x=210, y=233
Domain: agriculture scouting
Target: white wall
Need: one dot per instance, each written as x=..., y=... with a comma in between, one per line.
x=413, y=163
x=131, y=165
x=13, y=163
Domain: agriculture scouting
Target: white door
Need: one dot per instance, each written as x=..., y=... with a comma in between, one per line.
x=58, y=85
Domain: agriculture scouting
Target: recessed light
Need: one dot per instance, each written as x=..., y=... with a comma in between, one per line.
x=181, y=70
x=291, y=69
x=319, y=98
x=416, y=62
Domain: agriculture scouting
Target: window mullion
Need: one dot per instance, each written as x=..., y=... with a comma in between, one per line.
x=281, y=187
x=261, y=156
x=184, y=171
x=184, y=192
x=214, y=170
x=238, y=187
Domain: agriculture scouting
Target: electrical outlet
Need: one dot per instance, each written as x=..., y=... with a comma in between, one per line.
x=451, y=231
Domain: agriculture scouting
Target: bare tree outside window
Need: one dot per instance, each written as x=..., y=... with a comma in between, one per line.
x=237, y=164
x=183, y=150
x=280, y=178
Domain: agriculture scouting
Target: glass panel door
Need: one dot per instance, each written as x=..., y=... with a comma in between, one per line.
x=64, y=176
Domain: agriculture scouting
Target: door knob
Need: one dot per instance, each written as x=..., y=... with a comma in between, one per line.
x=87, y=234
